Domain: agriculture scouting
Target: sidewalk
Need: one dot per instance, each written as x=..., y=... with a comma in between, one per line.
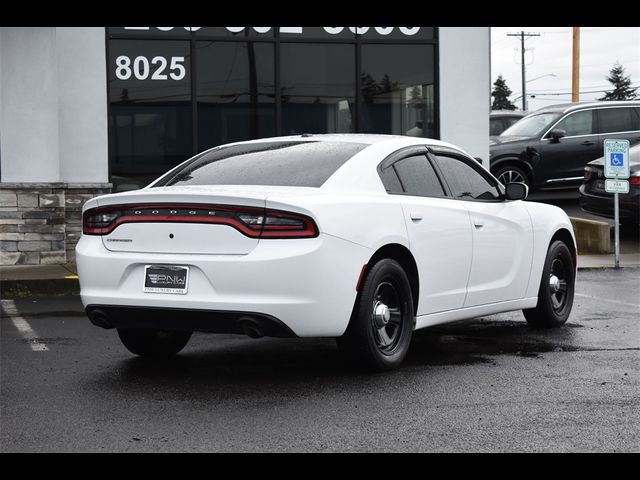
x=26, y=280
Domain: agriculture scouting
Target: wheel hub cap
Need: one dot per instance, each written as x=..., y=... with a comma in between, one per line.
x=554, y=284
x=381, y=314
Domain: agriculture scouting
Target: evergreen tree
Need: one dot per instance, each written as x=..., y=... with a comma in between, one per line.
x=501, y=95
x=622, y=89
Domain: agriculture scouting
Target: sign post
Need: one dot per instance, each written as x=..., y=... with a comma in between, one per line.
x=616, y=170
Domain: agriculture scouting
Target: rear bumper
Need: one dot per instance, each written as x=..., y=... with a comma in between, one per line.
x=309, y=285
x=253, y=324
x=629, y=205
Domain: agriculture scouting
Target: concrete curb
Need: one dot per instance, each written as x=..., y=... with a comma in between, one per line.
x=35, y=288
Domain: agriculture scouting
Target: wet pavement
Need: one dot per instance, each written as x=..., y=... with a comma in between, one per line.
x=491, y=384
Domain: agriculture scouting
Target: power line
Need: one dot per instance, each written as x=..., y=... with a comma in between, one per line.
x=604, y=87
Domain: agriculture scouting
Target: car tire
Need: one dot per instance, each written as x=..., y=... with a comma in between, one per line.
x=512, y=174
x=153, y=343
x=382, y=322
x=555, y=296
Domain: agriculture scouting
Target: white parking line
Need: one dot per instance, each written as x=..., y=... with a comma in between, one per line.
x=607, y=300
x=23, y=327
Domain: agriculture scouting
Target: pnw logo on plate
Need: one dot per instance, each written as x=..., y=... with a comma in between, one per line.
x=167, y=279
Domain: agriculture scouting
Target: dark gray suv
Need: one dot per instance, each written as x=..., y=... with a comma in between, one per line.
x=550, y=147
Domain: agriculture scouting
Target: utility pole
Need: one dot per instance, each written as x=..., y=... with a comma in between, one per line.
x=523, y=36
x=575, y=79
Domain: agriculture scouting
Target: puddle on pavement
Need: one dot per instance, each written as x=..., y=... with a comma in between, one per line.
x=481, y=341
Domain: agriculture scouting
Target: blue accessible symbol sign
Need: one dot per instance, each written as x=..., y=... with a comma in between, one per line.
x=616, y=154
x=616, y=159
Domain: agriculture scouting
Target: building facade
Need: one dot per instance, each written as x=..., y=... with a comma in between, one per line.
x=85, y=111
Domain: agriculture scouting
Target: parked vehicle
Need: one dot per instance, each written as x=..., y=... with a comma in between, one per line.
x=550, y=147
x=594, y=199
x=500, y=120
x=360, y=237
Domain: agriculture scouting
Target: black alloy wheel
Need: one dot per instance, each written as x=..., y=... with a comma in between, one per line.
x=555, y=296
x=511, y=174
x=382, y=323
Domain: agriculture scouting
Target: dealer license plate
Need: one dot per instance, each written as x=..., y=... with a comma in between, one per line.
x=166, y=279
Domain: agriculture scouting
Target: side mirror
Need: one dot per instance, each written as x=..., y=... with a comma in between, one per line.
x=557, y=134
x=517, y=191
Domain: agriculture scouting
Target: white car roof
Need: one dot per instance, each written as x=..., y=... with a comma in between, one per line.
x=365, y=138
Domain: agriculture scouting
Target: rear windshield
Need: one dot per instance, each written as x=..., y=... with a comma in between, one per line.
x=289, y=164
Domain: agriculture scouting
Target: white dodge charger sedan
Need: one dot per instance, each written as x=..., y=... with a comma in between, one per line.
x=364, y=238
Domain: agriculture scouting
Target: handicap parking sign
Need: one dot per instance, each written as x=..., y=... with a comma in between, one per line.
x=616, y=159
x=616, y=154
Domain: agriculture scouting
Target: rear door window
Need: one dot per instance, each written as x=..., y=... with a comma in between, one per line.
x=614, y=120
x=418, y=177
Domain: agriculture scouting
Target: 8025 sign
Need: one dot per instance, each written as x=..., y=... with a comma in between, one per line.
x=158, y=68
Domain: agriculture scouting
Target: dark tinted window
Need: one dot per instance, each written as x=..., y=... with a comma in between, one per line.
x=611, y=120
x=294, y=164
x=390, y=180
x=465, y=182
x=318, y=88
x=398, y=89
x=236, y=92
x=508, y=121
x=579, y=123
x=418, y=177
x=150, y=116
x=496, y=126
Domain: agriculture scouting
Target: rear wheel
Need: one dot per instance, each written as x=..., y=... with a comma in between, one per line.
x=153, y=343
x=382, y=324
x=555, y=296
x=512, y=174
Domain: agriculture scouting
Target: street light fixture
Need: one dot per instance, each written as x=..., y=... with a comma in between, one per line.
x=525, y=101
x=542, y=76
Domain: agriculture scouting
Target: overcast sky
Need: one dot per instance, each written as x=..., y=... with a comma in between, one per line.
x=600, y=48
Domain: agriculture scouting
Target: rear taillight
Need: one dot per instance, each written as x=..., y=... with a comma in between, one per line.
x=588, y=171
x=635, y=179
x=252, y=222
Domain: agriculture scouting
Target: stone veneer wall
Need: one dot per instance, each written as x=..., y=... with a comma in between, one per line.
x=41, y=223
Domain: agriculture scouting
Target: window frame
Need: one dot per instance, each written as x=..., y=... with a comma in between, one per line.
x=596, y=124
x=402, y=154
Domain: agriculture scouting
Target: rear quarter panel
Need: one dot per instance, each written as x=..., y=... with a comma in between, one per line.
x=547, y=220
x=369, y=220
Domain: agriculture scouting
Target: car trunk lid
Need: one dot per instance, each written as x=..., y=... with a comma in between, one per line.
x=184, y=220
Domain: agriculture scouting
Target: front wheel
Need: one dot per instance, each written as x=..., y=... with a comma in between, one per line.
x=382, y=324
x=153, y=343
x=512, y=174
x=555, y=296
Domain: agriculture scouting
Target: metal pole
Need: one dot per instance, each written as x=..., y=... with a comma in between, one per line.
x=523, y=36
x=616, y=219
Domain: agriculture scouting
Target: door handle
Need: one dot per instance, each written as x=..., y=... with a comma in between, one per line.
x=587, y=143
x=416, y=216
x=478, y=225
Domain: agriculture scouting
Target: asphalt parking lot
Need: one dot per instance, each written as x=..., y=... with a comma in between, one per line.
x=489, y=384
